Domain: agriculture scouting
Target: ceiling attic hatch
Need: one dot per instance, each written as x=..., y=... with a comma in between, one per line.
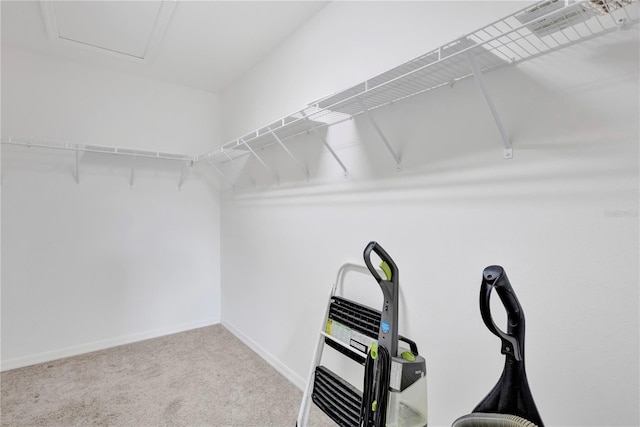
x=131, y=30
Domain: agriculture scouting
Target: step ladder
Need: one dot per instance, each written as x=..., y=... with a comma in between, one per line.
x=324, y=386
x=351, y=328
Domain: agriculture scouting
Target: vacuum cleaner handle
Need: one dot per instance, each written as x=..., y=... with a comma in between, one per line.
x=388, y=333
x=412, y=344
x=388, y=266
x=512, y=340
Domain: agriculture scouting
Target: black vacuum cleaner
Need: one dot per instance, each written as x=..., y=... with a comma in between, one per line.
x=509, y=403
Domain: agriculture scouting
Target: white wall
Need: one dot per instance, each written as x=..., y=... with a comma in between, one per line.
x=98, y=263
x=76, y=103
x=561, y=217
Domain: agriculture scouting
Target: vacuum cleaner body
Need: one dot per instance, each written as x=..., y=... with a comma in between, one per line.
x=407, y=403
x=509, y=403
x=394, y=387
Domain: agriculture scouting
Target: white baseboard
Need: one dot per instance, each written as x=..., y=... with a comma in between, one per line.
x=48, y=356
x=296, y=379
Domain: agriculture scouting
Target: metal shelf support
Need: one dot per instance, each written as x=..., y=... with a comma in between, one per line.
x=326, y=144
x=233, y=162
x=395, y=156
x=304, y=170
x=266, y=166
x=220, y=173
x=133, y=168
x=183, y=175
x=507, y=151
x=76, y=172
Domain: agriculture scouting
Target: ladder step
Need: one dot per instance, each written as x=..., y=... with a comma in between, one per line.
x=364, y=319
x=357, y=326
x=350, y=354
x=336, y=397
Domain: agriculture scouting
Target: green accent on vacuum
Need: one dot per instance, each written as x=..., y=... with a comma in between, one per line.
x=387, y=270
x=407, y=355
x=374, y=350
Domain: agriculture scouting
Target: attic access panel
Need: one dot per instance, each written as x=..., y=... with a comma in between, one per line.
x=131, y=29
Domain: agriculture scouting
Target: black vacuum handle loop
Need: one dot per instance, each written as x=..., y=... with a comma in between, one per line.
x=412, y=344
x=384, y=256
x=512, y=340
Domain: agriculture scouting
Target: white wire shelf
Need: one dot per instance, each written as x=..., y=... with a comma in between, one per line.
x=116, y=151
x=48, y=144
x=303, y=121
x=531, y=32
x=536, y=30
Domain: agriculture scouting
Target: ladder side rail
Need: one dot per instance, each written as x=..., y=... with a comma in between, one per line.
x=303, y=415
x=305, y=407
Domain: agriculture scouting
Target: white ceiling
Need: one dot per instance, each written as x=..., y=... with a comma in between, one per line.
x=202, y=44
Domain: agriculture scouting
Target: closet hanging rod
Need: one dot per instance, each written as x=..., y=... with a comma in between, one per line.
x=38, y=143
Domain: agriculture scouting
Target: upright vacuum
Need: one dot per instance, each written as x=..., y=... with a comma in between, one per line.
x=509, y=403
x=394, y=388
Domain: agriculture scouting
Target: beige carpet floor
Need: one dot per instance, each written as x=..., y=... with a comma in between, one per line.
x=203, y=377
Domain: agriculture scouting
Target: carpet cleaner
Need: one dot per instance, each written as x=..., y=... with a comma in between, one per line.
x=394, y=387
x=509, y=403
